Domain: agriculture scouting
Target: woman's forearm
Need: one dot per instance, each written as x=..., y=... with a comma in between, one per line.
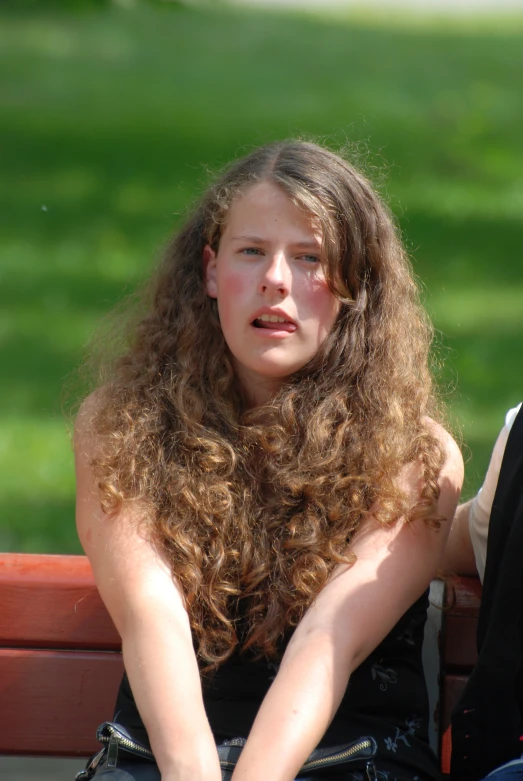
x=296, y=711
x=163, y=672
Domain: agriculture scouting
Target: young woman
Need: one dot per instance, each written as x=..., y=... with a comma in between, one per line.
x=261, y=493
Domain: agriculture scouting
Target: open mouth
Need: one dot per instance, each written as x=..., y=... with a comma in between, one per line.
x=274, y=323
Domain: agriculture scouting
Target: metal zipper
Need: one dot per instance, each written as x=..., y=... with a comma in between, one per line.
x=125, y=742
x=225, y=763
x=313, y=763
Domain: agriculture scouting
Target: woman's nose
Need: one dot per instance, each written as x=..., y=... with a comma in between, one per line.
x=276, y=275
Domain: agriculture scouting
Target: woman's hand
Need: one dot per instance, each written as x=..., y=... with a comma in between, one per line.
x=350, y=617
x=136, y=584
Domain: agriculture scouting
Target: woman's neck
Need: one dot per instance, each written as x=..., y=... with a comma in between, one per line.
x=258, y=390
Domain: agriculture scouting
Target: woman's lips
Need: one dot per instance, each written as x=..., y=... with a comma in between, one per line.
x=268, y=325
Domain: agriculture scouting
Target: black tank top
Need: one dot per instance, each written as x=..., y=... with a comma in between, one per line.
x=386, y=697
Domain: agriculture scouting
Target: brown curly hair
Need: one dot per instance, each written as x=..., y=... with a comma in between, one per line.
x=255, y=507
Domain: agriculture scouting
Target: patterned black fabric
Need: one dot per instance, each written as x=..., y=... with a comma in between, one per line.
x=386, y=698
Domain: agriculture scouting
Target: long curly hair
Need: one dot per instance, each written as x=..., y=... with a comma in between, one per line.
x=255, y=507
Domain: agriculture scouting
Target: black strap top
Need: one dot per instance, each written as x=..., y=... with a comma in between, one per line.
x=386, y=697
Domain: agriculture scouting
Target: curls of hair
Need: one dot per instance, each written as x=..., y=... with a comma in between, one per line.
x=255, y=507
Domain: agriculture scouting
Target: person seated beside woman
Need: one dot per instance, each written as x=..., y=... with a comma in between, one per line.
x=466, y=550
x=261, y=491
x=487, y=538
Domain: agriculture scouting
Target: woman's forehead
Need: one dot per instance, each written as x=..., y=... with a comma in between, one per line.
x=264, y=210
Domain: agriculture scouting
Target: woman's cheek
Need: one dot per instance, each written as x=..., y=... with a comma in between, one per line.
x=234, y=283
x=234, y=294
x=322, y=305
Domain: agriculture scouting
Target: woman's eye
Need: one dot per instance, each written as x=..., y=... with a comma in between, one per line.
x=311, y=258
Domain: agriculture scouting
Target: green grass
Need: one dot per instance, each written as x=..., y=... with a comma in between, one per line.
x=112, y=118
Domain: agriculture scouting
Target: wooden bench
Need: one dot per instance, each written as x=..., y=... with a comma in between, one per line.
x=458, y=652
x=60, y=659
x=61, y=664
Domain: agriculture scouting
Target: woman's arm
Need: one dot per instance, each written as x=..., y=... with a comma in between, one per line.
x=349, y=618
x=459, y=555
x=466, y=550
x=137, y=587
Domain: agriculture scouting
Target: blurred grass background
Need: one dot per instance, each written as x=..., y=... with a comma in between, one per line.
x=112, y=115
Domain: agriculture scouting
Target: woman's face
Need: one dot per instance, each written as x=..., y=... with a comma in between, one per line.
x=274, y=303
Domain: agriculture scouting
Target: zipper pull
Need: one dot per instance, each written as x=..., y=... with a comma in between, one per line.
x=90, y=770
x=112, y=752
x=370, y=771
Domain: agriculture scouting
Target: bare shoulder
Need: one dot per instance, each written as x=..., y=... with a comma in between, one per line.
x=452, y=467
x=450, y=478
x=412, y=479
x=89, y=513
x=100, y=530
x=84, y=438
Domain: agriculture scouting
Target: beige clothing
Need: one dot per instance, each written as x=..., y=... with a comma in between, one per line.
x=481, y=507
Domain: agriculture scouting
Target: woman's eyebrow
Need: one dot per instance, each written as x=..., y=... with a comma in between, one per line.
x=312, y=245
x=254, y=239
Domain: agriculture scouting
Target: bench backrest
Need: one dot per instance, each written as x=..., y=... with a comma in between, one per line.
x=60, y=660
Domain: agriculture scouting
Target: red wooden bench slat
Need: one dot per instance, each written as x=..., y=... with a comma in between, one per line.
x=463, y=597
x=446, y=752
x=53, y=701
x=460, y=650
x=52, y=602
